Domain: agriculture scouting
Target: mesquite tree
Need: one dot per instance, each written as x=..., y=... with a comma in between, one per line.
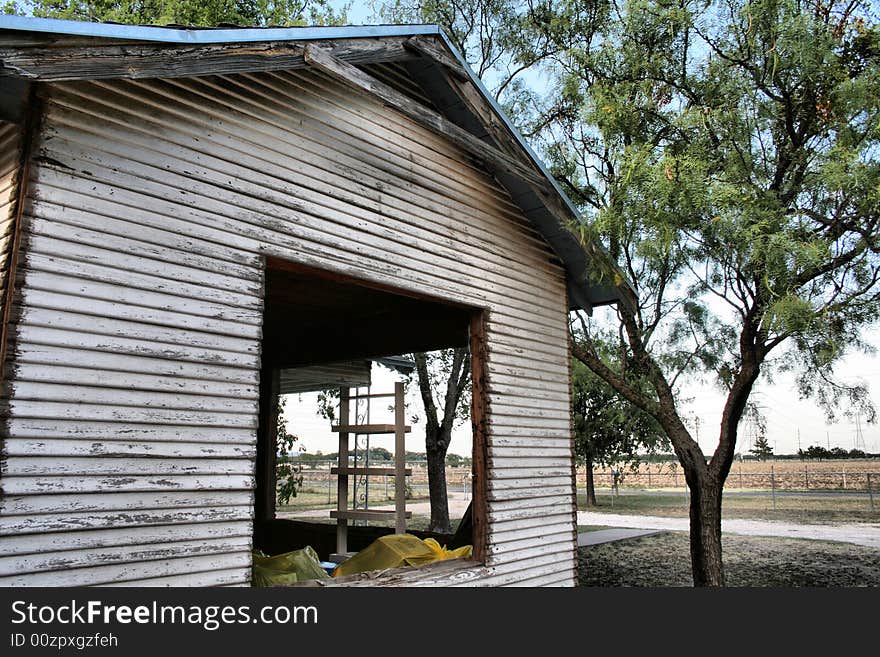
x=726, y=153
x=445, y=373
x=608, y=429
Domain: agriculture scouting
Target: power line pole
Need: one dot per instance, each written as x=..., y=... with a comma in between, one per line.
x=860, y=438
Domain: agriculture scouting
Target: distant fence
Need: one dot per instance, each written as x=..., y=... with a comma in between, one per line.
x=318, y=477
x=785, y=480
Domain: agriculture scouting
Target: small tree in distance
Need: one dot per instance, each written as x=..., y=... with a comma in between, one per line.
x=761, y=448
x=608, y=430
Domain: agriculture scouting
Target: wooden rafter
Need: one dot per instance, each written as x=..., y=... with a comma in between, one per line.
x=324, y=60
x=152, y=60
x=478, y=105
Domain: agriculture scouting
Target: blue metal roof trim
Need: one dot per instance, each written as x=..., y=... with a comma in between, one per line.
x=205, y=36
x=208, y=35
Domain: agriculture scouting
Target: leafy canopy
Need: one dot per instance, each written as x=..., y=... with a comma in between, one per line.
x=244, y=13
x=727, y=152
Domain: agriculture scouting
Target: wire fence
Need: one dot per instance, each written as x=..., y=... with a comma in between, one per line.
x=319, y=482
x=790, y=479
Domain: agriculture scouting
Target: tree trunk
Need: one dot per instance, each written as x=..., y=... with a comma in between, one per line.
x=705, y=531
x=437, y=446
x=591, y=487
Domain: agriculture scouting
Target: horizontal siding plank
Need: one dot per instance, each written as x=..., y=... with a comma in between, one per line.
x=61, y=335
x=94, y=377
x=60, y=318
x=223, y=318
x=528, y=492
x=42, y=484
x=53, y=561
x=53, y=409
x=75, y=446
x=54, y=504
x=144, y=433
x=131, y=572
x=74, y=466
x=535, y=534
x=559, y=546
x=133, y=537
x=539, y=509
x=563, y=536
x=229, y=577
x=119, y=519
x=88, y=395
x=538, y=501
x=165, y=371
x=142, y=264
x=499, y=485
x=156, y=281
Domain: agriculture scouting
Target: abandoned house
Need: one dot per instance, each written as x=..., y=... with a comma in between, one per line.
x=190, y=216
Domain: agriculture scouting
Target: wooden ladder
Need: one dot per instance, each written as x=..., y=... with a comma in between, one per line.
x=343, y=471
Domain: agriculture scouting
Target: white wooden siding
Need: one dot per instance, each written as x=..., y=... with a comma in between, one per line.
x=133, y=403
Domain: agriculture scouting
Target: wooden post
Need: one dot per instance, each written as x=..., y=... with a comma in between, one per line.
x=773, y=487
x=266, y=452
x=806, y=477
x=399, y=460
x=342, y=479
x=870, y=493
x=479, y=423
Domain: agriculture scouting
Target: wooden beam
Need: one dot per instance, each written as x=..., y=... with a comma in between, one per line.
x=400, y=512
x=470, y=96
x=150, y=60
x=428, y=47
x=324, y=60
x=480, y=426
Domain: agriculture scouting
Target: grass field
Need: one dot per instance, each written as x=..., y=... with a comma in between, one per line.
x=791, y=508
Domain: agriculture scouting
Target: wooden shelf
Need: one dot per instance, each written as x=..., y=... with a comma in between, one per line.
x=368, y=471
x=367, y=428
x=366, y=515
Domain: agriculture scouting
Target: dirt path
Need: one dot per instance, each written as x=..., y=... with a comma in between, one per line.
x=867, y=534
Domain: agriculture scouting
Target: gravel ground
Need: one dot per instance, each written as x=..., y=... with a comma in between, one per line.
x=664, y=560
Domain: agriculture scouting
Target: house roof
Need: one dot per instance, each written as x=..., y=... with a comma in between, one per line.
x=593, y=277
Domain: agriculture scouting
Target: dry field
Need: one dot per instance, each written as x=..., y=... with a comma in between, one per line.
x=844, y=474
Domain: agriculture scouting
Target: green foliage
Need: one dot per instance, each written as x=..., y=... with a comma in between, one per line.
x=440, y=366
x=457, y=461
x=761, y=448
x=607, y=428
x=289, y=468
x=245, y=13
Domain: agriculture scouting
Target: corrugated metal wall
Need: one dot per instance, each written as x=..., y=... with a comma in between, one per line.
x=134, y=402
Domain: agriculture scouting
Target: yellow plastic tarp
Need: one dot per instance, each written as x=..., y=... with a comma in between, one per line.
x=287, y=568
x=396, y=551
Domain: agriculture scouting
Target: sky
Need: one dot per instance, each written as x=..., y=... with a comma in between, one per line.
x=792, y=423
x=788, y=417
